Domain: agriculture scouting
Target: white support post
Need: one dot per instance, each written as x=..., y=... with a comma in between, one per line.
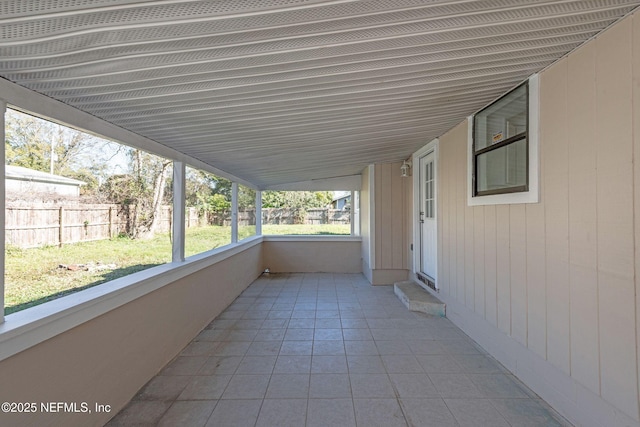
x=234, y=212
x=178, y=227
x=3, y=109
x=258, y=213
x=352, y=213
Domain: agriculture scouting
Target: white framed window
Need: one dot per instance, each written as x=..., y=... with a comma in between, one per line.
x=503, y=149
x=29, y=327
x=300, y=212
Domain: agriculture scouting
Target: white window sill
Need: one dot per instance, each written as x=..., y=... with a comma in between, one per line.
x=311, y=238
x=505, y=199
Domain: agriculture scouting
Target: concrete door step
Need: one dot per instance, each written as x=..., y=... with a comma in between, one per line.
x=416, y=298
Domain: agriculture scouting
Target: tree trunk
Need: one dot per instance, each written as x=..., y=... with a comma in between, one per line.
x=158, y=195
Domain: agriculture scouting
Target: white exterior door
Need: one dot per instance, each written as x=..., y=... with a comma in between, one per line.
x=427, y=216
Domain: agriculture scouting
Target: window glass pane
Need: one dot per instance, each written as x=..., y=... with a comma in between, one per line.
x=246, y=212
x=504, y=167
x=306, y=212
x=502, y=120
x=208, y=211
x=80, y=211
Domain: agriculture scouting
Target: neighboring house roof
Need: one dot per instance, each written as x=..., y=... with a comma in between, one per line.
x=25, y=174
x=339, y=195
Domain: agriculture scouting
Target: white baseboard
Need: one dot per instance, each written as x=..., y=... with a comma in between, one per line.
x=571, y=399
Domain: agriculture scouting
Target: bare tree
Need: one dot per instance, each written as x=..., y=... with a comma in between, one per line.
x=142, y=192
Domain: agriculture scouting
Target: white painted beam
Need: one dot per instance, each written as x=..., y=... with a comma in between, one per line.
x=234, y=212
x=258, y=213
x=352, y=211
x=355, y=206
x=372, y=217
x=178, y=226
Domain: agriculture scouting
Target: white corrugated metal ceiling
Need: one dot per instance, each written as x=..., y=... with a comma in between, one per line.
x=277, y=91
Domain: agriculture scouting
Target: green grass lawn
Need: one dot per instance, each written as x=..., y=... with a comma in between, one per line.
x=33, y=276
x=306, y=229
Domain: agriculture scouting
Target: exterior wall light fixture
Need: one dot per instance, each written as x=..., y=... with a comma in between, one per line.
x=405, y=169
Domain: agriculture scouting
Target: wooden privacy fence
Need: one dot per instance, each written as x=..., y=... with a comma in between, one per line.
x=277, y=216
x=34, y=225
x=308, y=216
x=39, y=225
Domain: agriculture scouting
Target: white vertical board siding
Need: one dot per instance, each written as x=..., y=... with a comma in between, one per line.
x=397, y=225
x=461, y=133
x=384, y=258
x=452, y=212
x=555, y=167
x=614, y=188
x=479, y=259
x=445, y=192
x=536, y=274
x=503, y=268
x=380, y=194
x=560, y=276
x=518, y=276
x=408, y=221
x=365, y=220
x=377, y=224
x=392, y=235
x=490, y=265
x=461, y=201
x=536, y=280
x=636, y=153
x=583, y=272
x=452, y=163
x=469, y=261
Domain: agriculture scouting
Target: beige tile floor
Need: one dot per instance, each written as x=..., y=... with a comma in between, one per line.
x=332, y=350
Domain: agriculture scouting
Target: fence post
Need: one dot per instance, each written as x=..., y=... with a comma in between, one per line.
x=61, y=229
x=110, y=222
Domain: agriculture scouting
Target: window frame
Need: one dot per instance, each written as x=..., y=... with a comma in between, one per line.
x=502, y=144
x=512, y=195
x=354, y=211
